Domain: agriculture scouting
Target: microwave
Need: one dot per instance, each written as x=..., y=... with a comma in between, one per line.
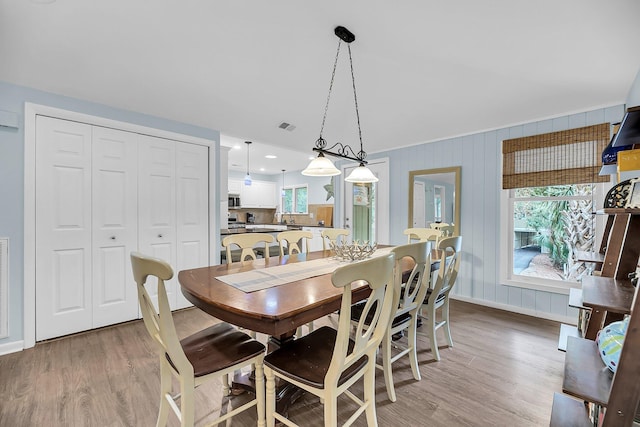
x=234, y=201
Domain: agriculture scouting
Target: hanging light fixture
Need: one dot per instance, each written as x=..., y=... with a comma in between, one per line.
x=282, y=192
x=247, y=178
x=321, y=166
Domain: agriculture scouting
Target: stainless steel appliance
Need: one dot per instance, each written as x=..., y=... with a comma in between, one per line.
x=251, y=219
x=234, y=200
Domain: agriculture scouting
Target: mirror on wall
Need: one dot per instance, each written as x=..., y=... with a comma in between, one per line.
x=434, y=196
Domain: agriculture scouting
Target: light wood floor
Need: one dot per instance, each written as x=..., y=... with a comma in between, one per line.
x=502, y=371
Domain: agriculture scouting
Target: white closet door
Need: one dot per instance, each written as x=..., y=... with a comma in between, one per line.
x=115, y=225
x=157, y=204
x=192, y=171
x=63, y=227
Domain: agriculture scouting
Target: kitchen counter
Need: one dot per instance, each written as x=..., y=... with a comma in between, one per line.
x=228, y=232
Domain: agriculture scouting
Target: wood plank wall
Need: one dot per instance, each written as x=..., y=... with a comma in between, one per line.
x=480, y=157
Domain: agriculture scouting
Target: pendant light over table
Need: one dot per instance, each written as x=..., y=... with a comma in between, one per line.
x=322, y=166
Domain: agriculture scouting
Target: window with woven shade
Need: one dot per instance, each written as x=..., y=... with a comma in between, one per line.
x=553, y=185
x=557, y=158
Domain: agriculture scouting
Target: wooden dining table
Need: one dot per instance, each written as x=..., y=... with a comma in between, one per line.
x=277, y=311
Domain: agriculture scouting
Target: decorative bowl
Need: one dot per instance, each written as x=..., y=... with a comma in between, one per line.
x=610, y=340
x=353, y=251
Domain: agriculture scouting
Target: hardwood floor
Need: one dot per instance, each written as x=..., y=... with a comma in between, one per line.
x=502, y=371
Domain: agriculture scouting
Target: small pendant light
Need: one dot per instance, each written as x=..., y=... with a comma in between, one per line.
x=247, y=178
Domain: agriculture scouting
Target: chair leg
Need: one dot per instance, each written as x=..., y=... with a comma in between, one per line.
x=226, y=390
x=432, y=338
x=445, y=318
x=413, y=347
x=165, y=393
x=270, y=397
x=386, y=366
x=330, y=410
x=370, y=395
x=260, y=393
x=187, y=404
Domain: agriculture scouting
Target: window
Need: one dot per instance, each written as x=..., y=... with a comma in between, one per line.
x=547, y=226
x=552, y=188
x=294, y=200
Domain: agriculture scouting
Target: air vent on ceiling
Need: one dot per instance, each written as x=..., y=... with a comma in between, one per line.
x=287, y=126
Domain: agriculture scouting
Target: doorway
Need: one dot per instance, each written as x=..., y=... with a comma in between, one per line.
x=366, y=206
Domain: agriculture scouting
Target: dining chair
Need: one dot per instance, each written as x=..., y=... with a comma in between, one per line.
x=332, y=235
x=411, y=295
x=327, y=362
x=246, y=244
x=449, y=249
x=437, y=225
x=447, y=230
x=291, y=240
x=214, y=352
x=422, y=235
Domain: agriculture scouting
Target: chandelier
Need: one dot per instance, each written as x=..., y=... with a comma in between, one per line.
x=322, y=166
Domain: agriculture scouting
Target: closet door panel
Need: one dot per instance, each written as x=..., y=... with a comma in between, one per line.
x=63, y=227
x=115, y=225
x=157, y=204
x=192, y=171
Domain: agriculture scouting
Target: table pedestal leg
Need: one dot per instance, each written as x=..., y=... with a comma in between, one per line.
x=286, y=393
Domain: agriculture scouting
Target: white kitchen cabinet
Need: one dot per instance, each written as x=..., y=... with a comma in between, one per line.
x=260, y=194
x=235, y=186
x=316, y=241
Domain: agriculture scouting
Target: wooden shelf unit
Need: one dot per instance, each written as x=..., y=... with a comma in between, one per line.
x=609, y=295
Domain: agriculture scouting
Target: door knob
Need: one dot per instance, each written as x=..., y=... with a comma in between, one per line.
x=113, y=237
x=160, y=236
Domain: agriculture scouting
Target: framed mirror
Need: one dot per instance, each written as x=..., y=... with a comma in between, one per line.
x=434, y=196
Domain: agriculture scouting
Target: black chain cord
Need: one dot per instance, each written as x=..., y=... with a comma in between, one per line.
x=326, y=107
x=361, y=155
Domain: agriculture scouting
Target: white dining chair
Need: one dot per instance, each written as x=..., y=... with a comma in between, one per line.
x=326, y=362
x=214, y=352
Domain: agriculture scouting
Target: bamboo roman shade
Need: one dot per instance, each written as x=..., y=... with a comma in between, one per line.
x=557, y=158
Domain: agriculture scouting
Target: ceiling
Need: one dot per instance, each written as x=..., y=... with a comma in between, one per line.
x=424, y=70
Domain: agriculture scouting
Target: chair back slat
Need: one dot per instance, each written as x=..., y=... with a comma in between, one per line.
x=291, y=238
x=411, y=294
x=422, y=235
x=246, y=242
x=332, y=235
x=449, y=266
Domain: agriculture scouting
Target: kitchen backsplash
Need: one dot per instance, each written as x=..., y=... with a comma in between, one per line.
x=267, y=216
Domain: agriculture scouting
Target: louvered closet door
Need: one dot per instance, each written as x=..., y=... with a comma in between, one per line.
x=192, y=172
x=115, y=225
x=157, y=205
x=63, y=227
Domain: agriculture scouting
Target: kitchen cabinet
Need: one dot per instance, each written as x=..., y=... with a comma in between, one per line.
x=260, y=194
x=235, y=186
x=316, y=240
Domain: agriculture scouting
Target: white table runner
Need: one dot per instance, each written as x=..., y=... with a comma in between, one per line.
x=264, y=278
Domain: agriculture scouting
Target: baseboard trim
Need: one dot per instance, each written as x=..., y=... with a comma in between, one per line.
x=520, y=310
x=11, y=347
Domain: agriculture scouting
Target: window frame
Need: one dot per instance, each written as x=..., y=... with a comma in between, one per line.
x=294, y=200
x=506, y=243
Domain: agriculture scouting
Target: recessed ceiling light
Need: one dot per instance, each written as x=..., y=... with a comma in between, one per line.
x=311, y=157
x=261, y=169
x=271, y=156
x=236, y=147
